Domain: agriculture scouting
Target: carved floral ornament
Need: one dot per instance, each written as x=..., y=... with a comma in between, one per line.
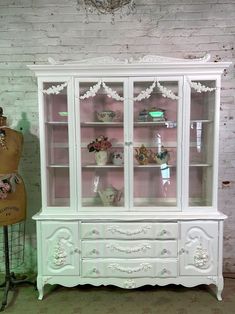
x=201, y=257
x=144, y=94
x=55, y=89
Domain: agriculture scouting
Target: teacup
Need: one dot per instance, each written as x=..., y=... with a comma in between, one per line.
x=106, y=115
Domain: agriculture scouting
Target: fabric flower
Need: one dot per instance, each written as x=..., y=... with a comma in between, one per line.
x=100, y=143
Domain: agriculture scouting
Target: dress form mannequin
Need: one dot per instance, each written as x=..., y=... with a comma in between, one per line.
x=12, y=189
x=12, y=196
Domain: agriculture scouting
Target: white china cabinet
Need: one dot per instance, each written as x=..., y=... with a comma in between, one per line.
x=129, y=162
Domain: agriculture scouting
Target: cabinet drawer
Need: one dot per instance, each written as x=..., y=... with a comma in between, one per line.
x=129, y=268
x=129, y=230
x=129, y=249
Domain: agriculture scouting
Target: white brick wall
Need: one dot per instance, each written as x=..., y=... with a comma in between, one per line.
x=33, y=30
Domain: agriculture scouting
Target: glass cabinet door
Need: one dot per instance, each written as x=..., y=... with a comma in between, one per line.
x=155, y=144
x=102, y=153
x=202, y=119
x=55, y=109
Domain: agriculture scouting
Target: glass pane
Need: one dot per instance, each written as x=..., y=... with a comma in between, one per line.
x=57, y=147
x=101, y=126
x=155, y=145
x=201, y=144
x=56, y=108
x=58, y=186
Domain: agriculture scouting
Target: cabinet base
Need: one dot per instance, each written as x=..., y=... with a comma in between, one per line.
x=131, y=283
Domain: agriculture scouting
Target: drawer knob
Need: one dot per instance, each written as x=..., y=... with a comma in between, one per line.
x=95, y=270
x=164, y=232
x=94, y=251
x=94, y=231
x=164, y=251
x=164, y=271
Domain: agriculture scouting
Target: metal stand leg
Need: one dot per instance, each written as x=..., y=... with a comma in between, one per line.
x=10, y=279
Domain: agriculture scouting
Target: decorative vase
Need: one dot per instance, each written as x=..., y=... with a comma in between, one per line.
x=101, y=157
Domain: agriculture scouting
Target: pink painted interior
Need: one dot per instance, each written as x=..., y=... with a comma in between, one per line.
x=90, y=106
x=148, y=182
x=59, y=192
x=114, y=134
x=197, y=185
x=57, y=147
x=202, y=153
x=202, y=104
x=107, y=178
x=58, y=152
x=55, y=103
x=202, y=108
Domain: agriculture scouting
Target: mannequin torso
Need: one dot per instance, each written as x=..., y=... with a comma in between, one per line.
x=12, y=189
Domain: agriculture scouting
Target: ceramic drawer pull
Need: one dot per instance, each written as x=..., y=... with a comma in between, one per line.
x=95, y=270
x=164, y=251
x=95, y=232
x=164, y=271
x=163, y=232
x=94, y=251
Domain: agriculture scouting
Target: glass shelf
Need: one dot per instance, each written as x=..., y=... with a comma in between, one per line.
x=201, y=121
x=57, y=123
x=58, y=166
x=102, y=166
x=155, y=123
x=152, y=166
x=101, y=124
x=200, y=165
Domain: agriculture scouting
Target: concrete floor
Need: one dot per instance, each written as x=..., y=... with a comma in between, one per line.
x=112, y=300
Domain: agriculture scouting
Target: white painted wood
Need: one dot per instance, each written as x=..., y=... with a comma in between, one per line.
x=129, y=268
x=129, y=248
x=198, y=248
x=124, y=245
x=133, y=230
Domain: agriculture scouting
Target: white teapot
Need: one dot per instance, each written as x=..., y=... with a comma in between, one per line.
x=110, y=196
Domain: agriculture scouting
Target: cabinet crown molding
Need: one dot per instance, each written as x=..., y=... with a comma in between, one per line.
x=131, y=60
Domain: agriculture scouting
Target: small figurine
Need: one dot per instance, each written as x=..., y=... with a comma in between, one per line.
x=143, y=116
x=118, y=158
x=162, y=157
x=142, y=155
x=110, y=196
x=157, y=114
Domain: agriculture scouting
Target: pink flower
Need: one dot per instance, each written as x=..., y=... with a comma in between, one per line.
x=100, y=143
x=7, y=187
x=3, y=195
